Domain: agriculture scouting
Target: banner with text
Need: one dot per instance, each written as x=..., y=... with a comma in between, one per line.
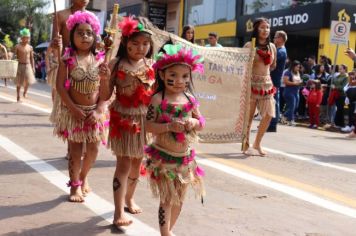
x=223, y=90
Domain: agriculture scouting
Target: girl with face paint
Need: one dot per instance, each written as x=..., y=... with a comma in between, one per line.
x=173, y=118
x=262, y=89
x=81, y=122
x=132, y=77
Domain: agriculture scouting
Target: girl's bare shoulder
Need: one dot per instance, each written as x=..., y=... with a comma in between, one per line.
x=156, y=99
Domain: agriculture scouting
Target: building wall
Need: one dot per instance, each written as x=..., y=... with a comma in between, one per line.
x=173, y=17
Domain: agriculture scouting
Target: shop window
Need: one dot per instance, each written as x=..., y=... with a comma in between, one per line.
x=257, y=6
x=202, y=12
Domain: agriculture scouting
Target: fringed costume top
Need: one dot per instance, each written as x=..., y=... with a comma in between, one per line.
x=171, y=163
x=127, y=136
x=85, y=81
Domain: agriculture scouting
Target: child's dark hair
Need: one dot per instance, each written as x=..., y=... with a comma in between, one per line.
x=255, y=33
x=159, y=82
x=122, y=52
x=185, y=29
x=71, y=38
x=294, y=64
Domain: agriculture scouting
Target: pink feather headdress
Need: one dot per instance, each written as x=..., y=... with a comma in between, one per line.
x=177, y=54
x=129, y=26
x=81, y=17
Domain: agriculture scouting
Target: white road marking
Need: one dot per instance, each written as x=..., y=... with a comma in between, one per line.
x=24, y=103
x=98, y=205
x=32, y=92
x=294, y=192
x=306, y=159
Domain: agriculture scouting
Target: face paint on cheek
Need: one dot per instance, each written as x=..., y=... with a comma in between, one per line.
x=170, y=82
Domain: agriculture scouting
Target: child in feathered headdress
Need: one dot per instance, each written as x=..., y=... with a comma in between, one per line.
x=26, y=68
x=173, y=117
x=132, y=77
x=82, y=121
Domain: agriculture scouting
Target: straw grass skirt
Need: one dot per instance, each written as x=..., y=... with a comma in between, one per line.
x=68, y=128
x=25, y=75
x=52, y=76
x=262, y=94
x=127, y=135
x=171, y=173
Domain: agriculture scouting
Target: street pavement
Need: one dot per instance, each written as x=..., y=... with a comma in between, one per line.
x=305, y=186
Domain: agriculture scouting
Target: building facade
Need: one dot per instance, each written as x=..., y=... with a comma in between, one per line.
x=307, y=23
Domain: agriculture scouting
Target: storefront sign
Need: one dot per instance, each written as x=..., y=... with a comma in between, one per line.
x=157, y=14
x=302, y=18
x=343, y=12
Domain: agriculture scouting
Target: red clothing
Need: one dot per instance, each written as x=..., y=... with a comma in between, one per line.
x=314, y=113
x=315, y=97
x=314, y=100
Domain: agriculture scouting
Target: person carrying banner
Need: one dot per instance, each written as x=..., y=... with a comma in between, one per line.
x=262, y=89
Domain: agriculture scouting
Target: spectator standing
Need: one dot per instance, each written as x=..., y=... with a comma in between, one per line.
x=314, y=100
x=188, y=33
x=339, y=84
x=280, y=38
x=312, y=63
x=213, y=40
x=324, y=78
x=350, y=102
x=292, y=81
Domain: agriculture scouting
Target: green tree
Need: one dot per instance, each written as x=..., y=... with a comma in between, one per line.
x=16, y=14
x=8, y=42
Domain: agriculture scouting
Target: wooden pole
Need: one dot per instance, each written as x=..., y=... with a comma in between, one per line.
x=111, y=31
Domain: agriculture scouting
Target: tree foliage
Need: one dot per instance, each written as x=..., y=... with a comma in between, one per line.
x=7, y=41
x=17, y=14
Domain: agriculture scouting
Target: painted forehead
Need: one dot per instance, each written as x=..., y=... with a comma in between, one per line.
x=179, y=68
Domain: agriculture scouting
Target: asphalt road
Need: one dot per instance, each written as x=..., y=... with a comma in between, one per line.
x=305, y=186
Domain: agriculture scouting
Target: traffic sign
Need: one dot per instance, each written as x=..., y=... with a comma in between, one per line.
x=339, y=32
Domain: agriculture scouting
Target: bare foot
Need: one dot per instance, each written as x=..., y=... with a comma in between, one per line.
x=24, y=95
x=352, y=135
x=18, y=99
x=76, y=194
x=122, y=221
x=132, y=207
x=245, y=147
x=260, y=151
x=250, y=152
x=86, y=188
